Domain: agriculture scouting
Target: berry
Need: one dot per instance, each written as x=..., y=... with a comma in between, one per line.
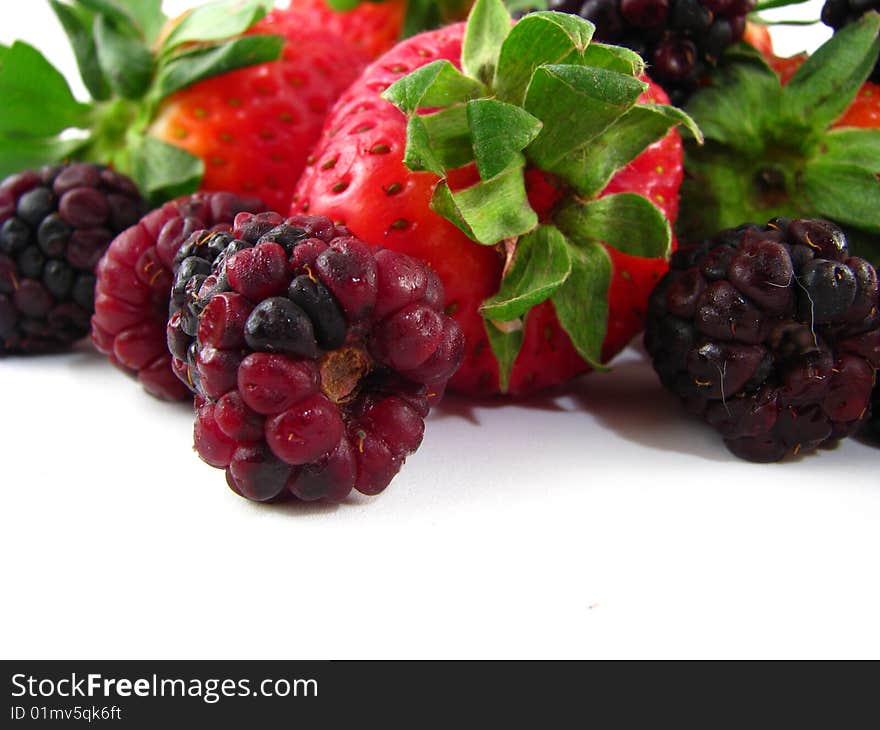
x=371, y=27
x=360, y=177
x=374, y=26
x=55, y=223
x=778, y=350
x=188, y=105
x=314, y=359
x=135, y=279
x=737, y=180
x=254, y=127
x=838, y=14
x=681, y=39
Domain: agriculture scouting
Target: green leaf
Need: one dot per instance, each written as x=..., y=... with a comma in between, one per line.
x=488, y=25
x=537, y=40
x=438, y=84
x=149, y=17
x=499, y=132
x=581, y=303
x=630, y=223
x=17, y=154
x=126, y=62
x=216, y=21
x=853, y=146
x=614, y=58
x=212, y=61
x=3, y=51
x=113, y=11
x=36, y=100
x=77, y=24
x=419, y=155
x=525, y=5
x=449, y=136
x=489, y=211
x=505, y=345
x=541, y=265
x=828, y=80
x=738, y=108
x=845, y=193
x=590, y=168
x=575, y=104
x=163, y=172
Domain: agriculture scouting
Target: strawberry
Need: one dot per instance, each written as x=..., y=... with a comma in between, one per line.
x=374, y=26
x=758, y=36
x=254, y=127
x=538, y=291
x=225, y=97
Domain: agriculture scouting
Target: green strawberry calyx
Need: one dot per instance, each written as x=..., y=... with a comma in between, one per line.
x=774, y=150
x=130, y=59
x=539, y=94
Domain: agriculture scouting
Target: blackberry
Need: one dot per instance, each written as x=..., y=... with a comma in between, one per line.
x=771, y=334
x=134, y=281
x=55, y=223
x=681, y=40
x=314, y=358
x=837, y=14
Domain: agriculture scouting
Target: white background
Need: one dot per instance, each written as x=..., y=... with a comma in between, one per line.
x=597, y=523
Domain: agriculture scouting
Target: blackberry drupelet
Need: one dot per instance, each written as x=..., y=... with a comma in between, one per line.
x=314, y=358
x=681, y=40
x=55, y=223
x=771, y=334
x=838, y=14
x=134, y=285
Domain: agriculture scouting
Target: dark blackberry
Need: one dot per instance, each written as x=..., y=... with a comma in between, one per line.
x=838, y=14
x=771, y=334
x=681, y=40
x=314, y=358
x=55, y=223
x=135, y=284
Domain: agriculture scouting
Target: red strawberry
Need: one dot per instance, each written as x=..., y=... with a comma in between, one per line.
x=374, y=26
x=254, y=127
x=758, y=36
x=224, y=98
x=359, y=177
x=864, y=111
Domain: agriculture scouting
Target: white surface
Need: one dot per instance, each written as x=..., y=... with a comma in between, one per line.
x=600, y=523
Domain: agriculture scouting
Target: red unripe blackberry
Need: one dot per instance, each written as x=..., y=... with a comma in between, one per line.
x=680, y=39
x=134, y=280
x=55, y=223
x=314, y=358
x=771, y=334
